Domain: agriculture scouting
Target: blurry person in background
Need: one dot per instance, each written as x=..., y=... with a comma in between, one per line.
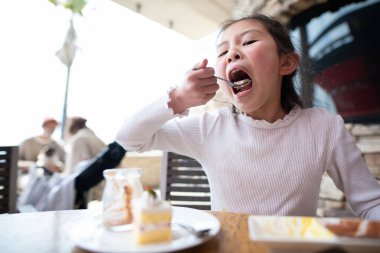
x=30, y=148
x=82, y=144
x=49, y=161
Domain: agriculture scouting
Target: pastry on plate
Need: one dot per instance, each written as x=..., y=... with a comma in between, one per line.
x=152, y=219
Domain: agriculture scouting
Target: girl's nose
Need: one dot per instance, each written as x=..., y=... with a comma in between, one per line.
x=233, y=56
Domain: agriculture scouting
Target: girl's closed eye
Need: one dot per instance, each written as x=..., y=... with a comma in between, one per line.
x=249, y=42
x=222, y=53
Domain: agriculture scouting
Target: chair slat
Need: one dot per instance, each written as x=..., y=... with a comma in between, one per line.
x=184, y=163
x=186, y=173
x=8, y=178
x=190, y=198
x=199, y=207
x=192, y=181
x=186, y=189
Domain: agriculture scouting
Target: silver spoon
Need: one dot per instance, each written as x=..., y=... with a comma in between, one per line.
x=231, y=84
x=202, y=233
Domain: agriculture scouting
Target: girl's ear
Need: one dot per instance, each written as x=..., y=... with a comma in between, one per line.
x=289, y=63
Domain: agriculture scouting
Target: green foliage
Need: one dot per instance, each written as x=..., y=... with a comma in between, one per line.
x=76, y=6
x=152, y=193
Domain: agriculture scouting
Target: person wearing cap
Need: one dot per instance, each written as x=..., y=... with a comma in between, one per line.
x=30, y=148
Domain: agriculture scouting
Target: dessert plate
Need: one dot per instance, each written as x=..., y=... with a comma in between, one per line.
x=305, y=234
x=91, y=235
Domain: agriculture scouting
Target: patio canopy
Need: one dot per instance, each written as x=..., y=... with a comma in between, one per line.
x=291, y=12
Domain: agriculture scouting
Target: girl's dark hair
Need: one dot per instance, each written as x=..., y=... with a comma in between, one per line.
x=289, y=96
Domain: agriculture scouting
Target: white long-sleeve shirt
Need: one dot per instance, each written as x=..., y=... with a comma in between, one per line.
x=258, y=167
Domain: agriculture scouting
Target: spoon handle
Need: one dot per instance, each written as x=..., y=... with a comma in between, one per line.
x=231, y=84
x=198, y=233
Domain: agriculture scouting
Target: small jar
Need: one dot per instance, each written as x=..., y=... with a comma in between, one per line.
x=121, y=188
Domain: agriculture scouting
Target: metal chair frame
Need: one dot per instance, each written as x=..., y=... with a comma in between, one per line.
x=8, y=178
x=183, y=182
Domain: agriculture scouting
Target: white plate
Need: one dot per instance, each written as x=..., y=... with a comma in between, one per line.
x=279, y=243
x=91, y=235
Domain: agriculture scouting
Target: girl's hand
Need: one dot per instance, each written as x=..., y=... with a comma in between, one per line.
x=198, y=88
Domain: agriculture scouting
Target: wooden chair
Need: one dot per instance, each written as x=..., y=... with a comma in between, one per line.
x=183, y=182
x=8, y=178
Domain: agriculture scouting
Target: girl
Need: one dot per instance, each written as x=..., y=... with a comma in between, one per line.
x=267, y=156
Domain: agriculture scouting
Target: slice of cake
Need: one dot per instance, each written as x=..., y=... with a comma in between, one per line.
x=152, y=218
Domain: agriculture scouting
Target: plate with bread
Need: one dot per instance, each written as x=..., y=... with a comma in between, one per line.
x=313, y=234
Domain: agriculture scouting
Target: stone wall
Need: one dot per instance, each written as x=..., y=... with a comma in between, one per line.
x=368, y=140
x=367, y=137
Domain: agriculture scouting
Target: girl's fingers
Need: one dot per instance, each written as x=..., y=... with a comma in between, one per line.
x=204, y=89
x=201, y=73
x=201, y=65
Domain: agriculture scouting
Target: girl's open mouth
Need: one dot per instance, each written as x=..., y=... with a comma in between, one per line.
x=242, y=81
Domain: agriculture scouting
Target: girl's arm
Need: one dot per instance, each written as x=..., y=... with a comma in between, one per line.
x=140, y=131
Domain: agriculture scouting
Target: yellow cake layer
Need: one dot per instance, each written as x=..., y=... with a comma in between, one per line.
x=154, y=217
x=153, y=235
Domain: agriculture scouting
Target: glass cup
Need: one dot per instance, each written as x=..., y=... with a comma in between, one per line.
x=121, y=188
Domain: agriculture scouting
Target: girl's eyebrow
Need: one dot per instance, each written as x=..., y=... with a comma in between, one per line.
x=240, y=35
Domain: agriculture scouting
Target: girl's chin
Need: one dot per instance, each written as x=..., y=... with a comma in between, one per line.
x=248, y=105
x=243, y=108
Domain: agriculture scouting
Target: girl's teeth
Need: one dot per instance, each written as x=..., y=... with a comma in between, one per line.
x=242, y=83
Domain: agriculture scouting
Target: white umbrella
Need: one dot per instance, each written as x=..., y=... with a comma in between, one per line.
x=67, y=53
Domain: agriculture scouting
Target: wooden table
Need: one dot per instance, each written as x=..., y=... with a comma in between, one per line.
x=49, y=232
